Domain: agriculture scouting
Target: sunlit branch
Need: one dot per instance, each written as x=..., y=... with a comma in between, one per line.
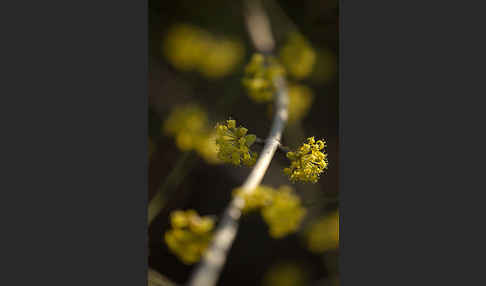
x=208, y=270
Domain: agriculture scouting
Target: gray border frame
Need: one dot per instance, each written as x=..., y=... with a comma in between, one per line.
x=399, y=65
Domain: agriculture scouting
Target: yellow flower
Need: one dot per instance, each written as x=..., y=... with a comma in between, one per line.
x=281, y=209
x=284, y=214
x=259, y=76
x=184, y=46
x=190, y=235
x=206, y=147
x=179, y=219
x=298, y=56
x=234, y=144
x=323, y=235
x=307, y=162
x=221, y=58
x=190, y=48
x=187, y=124
x=256, y=199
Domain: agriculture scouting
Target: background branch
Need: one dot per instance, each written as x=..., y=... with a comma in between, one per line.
x=171, y=182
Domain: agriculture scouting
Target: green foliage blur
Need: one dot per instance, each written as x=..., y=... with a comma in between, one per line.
x=198, y=51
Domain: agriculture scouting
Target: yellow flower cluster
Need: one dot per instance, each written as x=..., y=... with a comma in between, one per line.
x=284, y=214
x=190, y=235
x=190, y=48
x=298, y=56
x=281, y=209
x=234, y=144
x=189, y=125
x=259, y=76
x=307, y=162
x=323, y=235
x=258, y=198
x=286, y=274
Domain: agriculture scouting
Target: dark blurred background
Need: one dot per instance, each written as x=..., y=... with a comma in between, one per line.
x=255, y=257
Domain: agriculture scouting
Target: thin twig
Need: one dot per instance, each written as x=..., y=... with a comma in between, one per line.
x=281, y=148
x=209, y=269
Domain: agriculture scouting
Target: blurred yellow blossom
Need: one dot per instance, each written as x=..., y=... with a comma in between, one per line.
x=234, y=144
x=298, y=56
x=323, y=235
x=184, y=46
x=284, y=214
x=285, y=274
x=259, y=76
x=190, y=235
x=206, y=147
x=280, y=208
x=189, y=125
x=190, y=48
x=256, y=199
x=221, y=58
x=307, y=162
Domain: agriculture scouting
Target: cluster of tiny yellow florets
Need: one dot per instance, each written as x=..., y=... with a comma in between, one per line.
x=234, y=144
x=259, y=76
x=281, y=209
x=190, y=48
x=298, y=56
x=190, y=127
x=307, y=162
x=190, y=235
x=323, y=235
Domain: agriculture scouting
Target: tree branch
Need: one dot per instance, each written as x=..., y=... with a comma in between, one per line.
x=208, y=270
